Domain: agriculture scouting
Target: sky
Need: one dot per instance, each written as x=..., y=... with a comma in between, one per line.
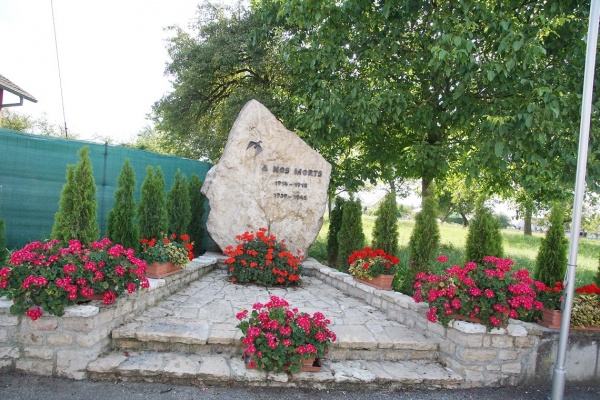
x=112, y=57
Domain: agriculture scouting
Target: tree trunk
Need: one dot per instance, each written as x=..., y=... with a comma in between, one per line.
x=465, y=219
x=424, y=188
x=527, y=220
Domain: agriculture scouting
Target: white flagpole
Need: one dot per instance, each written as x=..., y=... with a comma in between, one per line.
x=560, y=372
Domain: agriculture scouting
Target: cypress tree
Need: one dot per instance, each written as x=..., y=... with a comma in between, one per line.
x=483, y=238
x=334, y=227
x=551, y=260
x=121, y=226
x=3, y=250
x=152, y=208
x=77, y=211
x=350, y=236
x=197, y=200
x=424, y=241
x=178, y=205
x=385, y=232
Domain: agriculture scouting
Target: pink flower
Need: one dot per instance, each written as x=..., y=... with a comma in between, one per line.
x=442, y=259
x=34, y=313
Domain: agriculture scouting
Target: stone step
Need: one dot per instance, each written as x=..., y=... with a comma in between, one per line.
x=354, y=342
x=220, y=370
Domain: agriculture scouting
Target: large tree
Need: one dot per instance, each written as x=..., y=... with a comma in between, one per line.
x=226, y=61
x=424, y=88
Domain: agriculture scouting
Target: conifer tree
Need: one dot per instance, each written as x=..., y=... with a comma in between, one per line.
x=350, y=236
x=385, y=232
x=483, y=238
x=334, y=227
x=424, y=241
x=197, y=200
x=152, y=209
x=551, y=260
x=77, y=211
x=178, y=205
x=121, y=227
x=3, y=250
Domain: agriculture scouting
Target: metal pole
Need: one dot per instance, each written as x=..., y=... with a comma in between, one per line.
x=560, y=372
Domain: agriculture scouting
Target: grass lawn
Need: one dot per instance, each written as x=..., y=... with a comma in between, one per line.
x=520, y=248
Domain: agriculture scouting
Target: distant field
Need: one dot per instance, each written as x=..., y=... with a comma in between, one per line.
x=522, y=249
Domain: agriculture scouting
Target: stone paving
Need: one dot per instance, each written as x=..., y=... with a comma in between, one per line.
x=204, y=313
x=192, y=336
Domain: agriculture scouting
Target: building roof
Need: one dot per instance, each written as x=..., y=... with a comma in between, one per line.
x=6, y=84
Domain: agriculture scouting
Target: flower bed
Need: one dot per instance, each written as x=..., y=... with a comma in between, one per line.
x=175, y=249
x=491, y=292
x=279, y=338
x=49, y=276
x=369, y=263
x=261, y=259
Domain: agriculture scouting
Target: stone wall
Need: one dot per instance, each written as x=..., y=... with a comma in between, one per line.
x=62, y=346
x=521, y=353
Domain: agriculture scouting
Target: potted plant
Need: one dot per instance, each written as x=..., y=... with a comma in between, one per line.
x=167, y=255
x=50, y=276
x=489, y=293
x=277, y=337
x=551, y=298
x=586, y=303
x=373, y=267
x=260, y=258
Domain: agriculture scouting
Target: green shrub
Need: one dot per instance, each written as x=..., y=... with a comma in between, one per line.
x=350, y=236
x=153, y=220
x=178, y=205
x=3, y=250
x=197, y=200
x=551, y=260
x=483, y=238
x=121, y=227
x=77, y=209
x=335, y=224
x=424, y=241
x=385, y=232
x=597, y=278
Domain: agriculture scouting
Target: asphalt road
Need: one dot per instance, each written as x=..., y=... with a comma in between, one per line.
x=26, y=387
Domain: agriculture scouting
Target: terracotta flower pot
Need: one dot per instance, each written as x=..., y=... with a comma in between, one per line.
x=551, y=318
x=311, y=365
x=382, y=282
x=160, y=270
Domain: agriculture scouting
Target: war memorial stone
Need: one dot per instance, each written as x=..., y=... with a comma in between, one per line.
x=267, y=177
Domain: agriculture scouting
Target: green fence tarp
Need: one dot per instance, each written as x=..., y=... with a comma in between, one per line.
x=33, y=171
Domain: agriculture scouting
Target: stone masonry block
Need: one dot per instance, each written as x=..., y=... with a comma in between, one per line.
x=44, y=324
x=36, y=367
x=9, y=320
x=31, y=338
x=506, y=354
x=525, y=341
x=511, y=368
x=107, y=315
x=79, y=324
x=89, y=339
x=476, y=355
x=41, y=353
x=9, y=352
x=72, y=363
x=461, y=338
x=502, y=342
x=59, y=339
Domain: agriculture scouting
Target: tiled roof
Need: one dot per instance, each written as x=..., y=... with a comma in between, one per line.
x=7, y=85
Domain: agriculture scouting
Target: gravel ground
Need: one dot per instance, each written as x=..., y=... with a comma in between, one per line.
x=15, y=386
